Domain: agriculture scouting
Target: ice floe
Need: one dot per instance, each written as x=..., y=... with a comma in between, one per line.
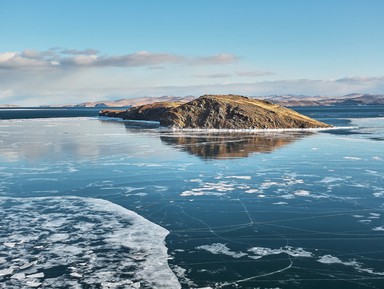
x=302, y=193
x=84, y=241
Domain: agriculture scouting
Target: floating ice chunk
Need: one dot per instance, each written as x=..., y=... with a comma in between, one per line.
x=18, y=276
x=302, y=193
x=372, y=172
x=33, y=284
x=239, y=177
x=192, y=193
x=76, y=275
x=267, y=185
x=5, y=272
x=9, y=244
x=219, y=248
x=36, y=275
x=288, y=196
x=365, y=221
x=252, y=191
x=141, y=194
x=58, y=237
x=381, y=228
x=280, y=203
x=378, y=194
x=352, y=158
x=27, y=265
x=330, y=180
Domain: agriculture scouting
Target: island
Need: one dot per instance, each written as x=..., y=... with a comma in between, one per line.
x=218, y=112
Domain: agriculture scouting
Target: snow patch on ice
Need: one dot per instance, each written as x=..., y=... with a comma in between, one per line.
x=219, y=248
x=329, y=259
x=260, y=252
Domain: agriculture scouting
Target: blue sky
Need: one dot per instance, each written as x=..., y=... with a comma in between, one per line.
x=68, y=51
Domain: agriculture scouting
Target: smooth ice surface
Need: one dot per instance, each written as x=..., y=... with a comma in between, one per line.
x=71, y=241
x=282, y=209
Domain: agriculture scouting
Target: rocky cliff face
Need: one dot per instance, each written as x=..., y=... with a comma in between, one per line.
x=219, y=112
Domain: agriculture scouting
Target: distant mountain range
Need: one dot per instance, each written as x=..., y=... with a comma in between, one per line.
x=284, y=100
x=136, y=101
x=349, y=99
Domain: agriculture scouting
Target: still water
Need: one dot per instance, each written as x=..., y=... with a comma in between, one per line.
x=93, y=203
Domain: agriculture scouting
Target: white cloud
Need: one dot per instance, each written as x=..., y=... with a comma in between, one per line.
x=215, y=75
x=254, y=73
x=222, y=58
x=33, y=77
x=72, y=58
x=80, y=52
x=14, y=60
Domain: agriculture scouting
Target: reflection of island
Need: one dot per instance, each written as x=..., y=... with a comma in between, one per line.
x=230, y=145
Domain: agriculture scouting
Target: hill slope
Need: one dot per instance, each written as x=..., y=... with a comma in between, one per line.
x=219, y=112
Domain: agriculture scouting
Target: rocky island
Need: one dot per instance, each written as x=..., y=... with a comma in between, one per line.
x=218, y=112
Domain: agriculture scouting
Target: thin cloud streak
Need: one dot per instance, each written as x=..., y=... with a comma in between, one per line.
x=254, y=73
x=72, y=58
x=217, y=75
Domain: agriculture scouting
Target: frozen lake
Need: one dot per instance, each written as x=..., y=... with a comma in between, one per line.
x=90, y=203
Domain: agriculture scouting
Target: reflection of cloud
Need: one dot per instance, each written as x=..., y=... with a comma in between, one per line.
x=229, y=145
x=42, y=140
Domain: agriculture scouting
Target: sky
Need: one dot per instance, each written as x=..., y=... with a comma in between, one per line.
x=74, y=51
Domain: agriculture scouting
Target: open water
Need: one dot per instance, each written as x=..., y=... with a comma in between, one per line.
x=94, y=203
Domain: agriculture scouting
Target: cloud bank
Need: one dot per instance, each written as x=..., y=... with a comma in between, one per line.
x=72, y=58
x=71, y=76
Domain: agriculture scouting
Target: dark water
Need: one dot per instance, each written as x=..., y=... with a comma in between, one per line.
x=215, y=210
x=43, y=112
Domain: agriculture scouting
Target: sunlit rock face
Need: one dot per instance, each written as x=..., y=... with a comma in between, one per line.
x=219, y=112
